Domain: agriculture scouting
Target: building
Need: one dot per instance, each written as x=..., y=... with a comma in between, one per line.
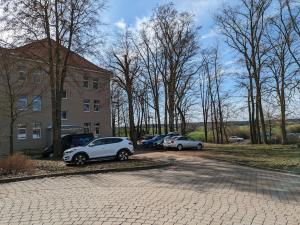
x=85, y=104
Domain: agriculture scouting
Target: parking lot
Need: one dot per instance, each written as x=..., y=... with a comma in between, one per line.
x=193, y=191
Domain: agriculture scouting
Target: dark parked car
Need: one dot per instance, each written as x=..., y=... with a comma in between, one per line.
x=70, y=141
x=150, y=143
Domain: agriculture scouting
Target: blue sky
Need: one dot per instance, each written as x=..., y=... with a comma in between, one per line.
x=132, y=12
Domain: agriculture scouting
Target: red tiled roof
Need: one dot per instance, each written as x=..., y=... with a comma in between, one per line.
x=38, y=50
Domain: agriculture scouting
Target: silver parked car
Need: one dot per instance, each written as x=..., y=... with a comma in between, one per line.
x=234, y=139
x=181, y=142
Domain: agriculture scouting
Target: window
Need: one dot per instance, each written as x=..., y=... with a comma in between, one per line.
x=37, y=77
x=86, y=105
x=22, y=74
x=36, y=103
x=97, y=129
x=22, y=132
x=85, y=82
x=96, y=105
x=81, y=140
x=95, y=83
x=182, y=138
x=97, y=142
x=36, y=131
x=64, y=95
x=63, y=115
x=113, y=140
x=87, y=128
x=22, y=103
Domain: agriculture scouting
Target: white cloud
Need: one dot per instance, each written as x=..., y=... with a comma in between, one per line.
x=201, y=8
x=121, y=24
x=139, y=22
x=211, y=33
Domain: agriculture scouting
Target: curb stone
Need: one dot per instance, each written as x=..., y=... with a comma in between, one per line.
x=16, y=179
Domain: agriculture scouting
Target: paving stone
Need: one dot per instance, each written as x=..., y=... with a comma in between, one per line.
x=195, y=191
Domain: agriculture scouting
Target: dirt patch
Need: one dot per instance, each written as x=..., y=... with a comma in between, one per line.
x=50, y=167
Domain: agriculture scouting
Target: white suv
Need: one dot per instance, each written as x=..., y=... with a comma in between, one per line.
x=111, y=147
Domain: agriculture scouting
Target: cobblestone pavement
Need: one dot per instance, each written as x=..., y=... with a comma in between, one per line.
x=195, y=191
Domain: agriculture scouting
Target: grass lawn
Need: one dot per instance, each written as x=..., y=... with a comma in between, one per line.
x=267, y=156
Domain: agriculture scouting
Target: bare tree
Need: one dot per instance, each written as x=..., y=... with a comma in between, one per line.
x=204, y=95
x=289, y=14
x=126, y=64
x=177, y=36
x=244, y=27
x=281, y=65
x=153, y=64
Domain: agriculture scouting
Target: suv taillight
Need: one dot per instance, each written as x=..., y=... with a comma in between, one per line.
x=130, y=142
x=172, y=142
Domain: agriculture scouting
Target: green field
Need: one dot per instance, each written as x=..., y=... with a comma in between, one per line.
x=243, y=131
x=282, y=157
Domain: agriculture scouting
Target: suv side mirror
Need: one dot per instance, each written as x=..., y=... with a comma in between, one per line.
x=92, y=144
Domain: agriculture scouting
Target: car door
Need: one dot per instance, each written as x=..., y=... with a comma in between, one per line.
x=183, y=142
x=192, y=143
x=112, y=146
x=96, y=149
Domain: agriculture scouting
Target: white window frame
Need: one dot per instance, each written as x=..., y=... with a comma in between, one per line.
x=36, y=74
x=98, y=104
x=85, y=79
x=22, y=127
x=22, y=71
x=37, y=128
x=96, y=81
x=62, y=113
x=97, y=126
x=87, y=125
x=86, y=102
x=34, y=98
x=26, y=103
x=66, y=96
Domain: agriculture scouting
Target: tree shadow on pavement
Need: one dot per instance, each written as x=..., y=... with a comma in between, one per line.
x=209, y=175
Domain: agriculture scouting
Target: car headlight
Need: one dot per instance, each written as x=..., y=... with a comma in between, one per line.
x=69, y=151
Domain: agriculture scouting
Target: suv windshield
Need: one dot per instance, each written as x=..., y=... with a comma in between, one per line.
x=86, y=144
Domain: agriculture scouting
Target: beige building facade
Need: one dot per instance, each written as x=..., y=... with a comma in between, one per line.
x=85, y=104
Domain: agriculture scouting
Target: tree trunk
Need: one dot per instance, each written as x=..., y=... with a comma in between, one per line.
x=56, y=125
x=253, y=109
x=261, y=114
x=113, y=120
x=182, y=120
x=131, y=119
x=205, y=120
x=216, y=123
x=166, y=111
x=11, y=137
x=283, y=122
x=171, y=110
x=157, y=111
x=118, y=121
x=252, y=136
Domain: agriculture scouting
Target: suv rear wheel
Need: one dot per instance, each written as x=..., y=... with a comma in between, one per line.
x=123, y=155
